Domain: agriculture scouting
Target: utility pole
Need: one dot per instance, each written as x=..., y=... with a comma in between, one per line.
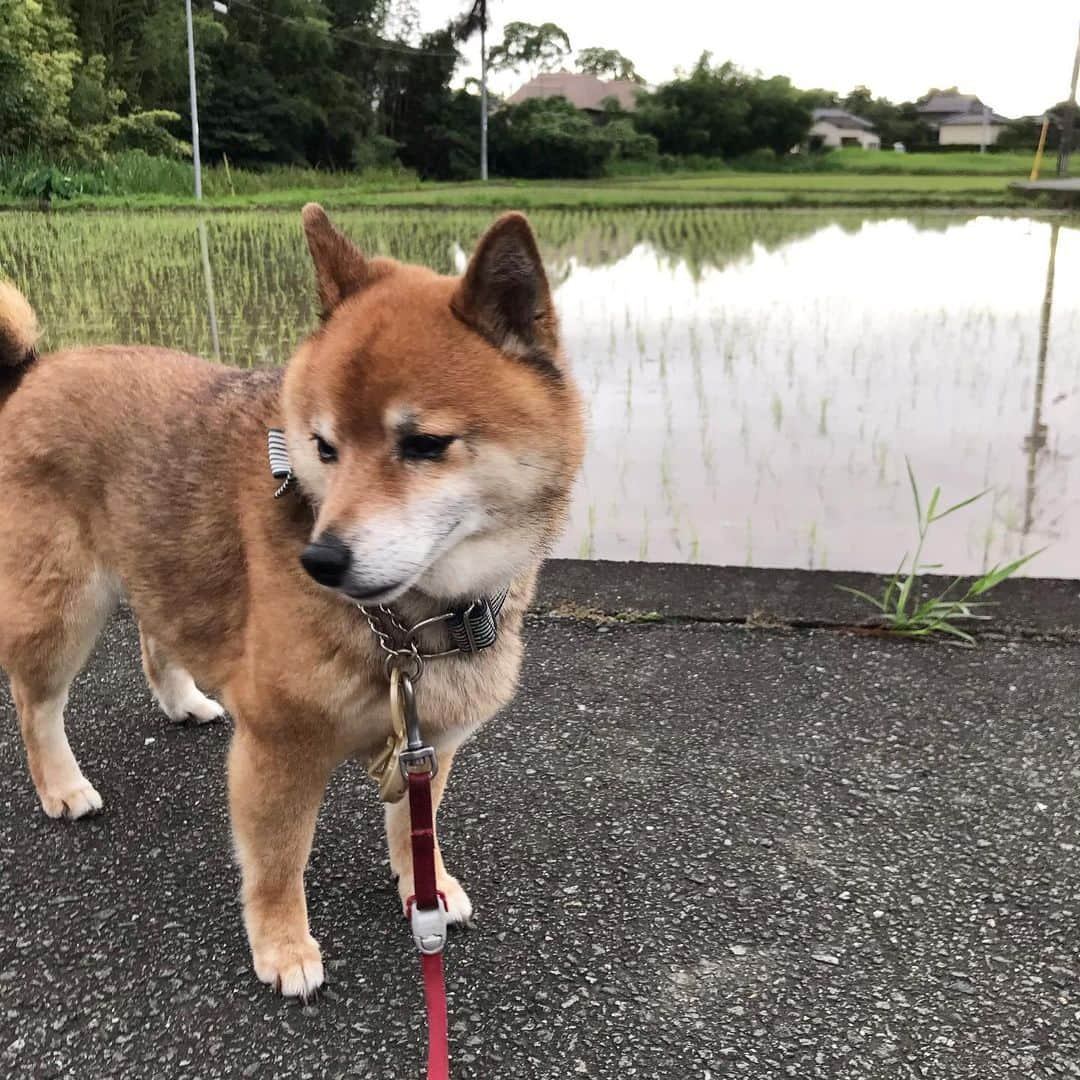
x=1070, y=118
x=1036, y=441
x=483, y=92
x=204, y=246
x=194, y=102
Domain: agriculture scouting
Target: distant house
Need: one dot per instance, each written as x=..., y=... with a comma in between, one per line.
x=939, y=106
x=836, y=127
x=971, y=129
x=587, y=92
x=961, y=120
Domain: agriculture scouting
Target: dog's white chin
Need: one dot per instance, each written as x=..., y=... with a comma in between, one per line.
x=476, y=566
x=373, y=599
x=464, y=565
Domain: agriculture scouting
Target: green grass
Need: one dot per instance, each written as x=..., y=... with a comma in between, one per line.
x=682, y=190
x=135, y=173
x=903, y=610
x=135, y=180
x=1012, y=163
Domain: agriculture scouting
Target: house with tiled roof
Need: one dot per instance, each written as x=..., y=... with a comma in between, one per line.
x=962, y=120
x=834, y=127
x=587, y=92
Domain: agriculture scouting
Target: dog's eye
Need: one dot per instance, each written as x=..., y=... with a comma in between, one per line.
x=424, y=447
x=327, y=453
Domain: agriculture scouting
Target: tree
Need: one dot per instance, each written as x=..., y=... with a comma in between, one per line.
x=538, y=48
x=818, y=98
x=38, y=59
x=779, y=117
x=1023, y=134
x=894, y=123
x=403, y=21
x=720, y=111
x=60, y=102
x=435, y=128
x=549, y=137
x=934, y=91
x=607, y=63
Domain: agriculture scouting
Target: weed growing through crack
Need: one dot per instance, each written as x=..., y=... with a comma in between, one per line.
x=902, y=612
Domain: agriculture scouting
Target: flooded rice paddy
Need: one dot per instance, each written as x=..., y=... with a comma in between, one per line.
x=755, y=379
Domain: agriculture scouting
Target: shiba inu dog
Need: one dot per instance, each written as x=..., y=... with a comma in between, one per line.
x=434, y=432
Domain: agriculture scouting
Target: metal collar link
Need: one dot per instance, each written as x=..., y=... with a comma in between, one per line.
x=472, y=628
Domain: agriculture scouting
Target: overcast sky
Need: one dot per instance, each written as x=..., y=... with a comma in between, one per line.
x=1016, y=57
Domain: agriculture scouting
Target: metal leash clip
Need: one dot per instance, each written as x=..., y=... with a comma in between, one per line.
x=418, y=757
x=382, y=767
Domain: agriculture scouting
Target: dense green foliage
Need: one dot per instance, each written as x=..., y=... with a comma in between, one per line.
x=526, y=45
x=58, y=97
x=548, y=137
x=721, y=111
x=895, y=123
x=94, y=100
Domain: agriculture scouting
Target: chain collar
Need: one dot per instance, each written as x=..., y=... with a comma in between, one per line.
x=472, y=627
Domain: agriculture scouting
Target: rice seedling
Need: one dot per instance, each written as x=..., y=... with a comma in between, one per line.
x=905, y=610
x=684, y=330
x=587, y=550
x=777, y=411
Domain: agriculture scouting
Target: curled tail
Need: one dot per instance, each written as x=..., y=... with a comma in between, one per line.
x=18, y=337
x=18, y=328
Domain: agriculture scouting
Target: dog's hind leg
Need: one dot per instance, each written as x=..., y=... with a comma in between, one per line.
x=173, y=687
x=48, y=641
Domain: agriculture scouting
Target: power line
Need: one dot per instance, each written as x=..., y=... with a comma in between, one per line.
x=404, y=50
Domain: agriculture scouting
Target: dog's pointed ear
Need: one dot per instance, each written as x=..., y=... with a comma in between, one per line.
x=504, y=294
x=340, y=268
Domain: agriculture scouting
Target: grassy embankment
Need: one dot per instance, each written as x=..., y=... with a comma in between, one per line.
x=843, y=178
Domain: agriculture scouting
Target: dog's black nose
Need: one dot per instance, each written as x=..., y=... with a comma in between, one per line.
x=327, y=560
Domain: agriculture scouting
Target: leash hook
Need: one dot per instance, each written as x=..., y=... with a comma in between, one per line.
x=418, y=757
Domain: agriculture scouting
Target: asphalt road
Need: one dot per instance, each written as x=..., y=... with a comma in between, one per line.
x=695, y=850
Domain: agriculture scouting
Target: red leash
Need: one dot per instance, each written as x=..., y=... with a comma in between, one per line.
x=427, y=915
x=438, y=1055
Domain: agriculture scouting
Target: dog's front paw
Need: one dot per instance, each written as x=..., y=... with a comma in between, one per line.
x=459, y=909
x=294, y=968
x=193, y=707
x=203, y=710
x=76, y=802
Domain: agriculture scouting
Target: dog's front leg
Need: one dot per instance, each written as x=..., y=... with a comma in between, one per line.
x=397, y=838
x=274, y=797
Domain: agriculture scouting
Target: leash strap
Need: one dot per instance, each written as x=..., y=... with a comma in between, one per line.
x=422, y=834
x=427, y=916
x=438, y=1064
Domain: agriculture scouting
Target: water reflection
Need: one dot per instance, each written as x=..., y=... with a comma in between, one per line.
x=211, y=302
x=755, y=379
x=760, y=412
x=1035, y=442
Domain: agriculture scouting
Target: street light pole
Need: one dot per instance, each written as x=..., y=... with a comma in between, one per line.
x=483, y=92
x=1070, y=118
x=194, y=102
